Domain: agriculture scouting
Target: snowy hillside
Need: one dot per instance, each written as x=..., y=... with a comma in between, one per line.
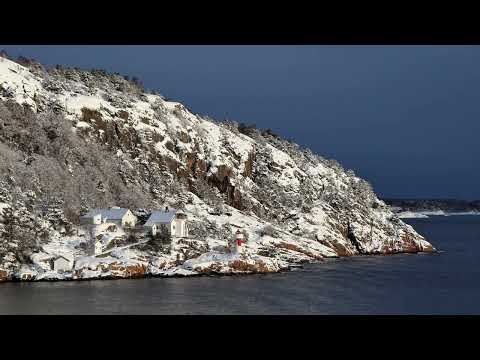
x=84, y=139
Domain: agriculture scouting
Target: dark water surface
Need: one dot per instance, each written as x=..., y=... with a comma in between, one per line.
x=444, y=283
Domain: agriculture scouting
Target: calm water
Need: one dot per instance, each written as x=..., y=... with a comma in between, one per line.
x=445, y=283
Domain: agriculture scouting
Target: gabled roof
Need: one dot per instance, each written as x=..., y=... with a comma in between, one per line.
x=161, y=217
x=61, y=257
x=112, y=214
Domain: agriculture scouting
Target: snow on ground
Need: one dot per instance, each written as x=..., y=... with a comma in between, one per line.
x=231, y=263
x=3, y=206
x=210, y=257
x=286, y=167
x=173, y=272
x=426, y=214
x=75, y=104
x=91, y=262
x=53, y=275
x=218, y=147
x=20, y=81
x=434, y=212
x=463, y=213
x=83, y=125
x=411, y=215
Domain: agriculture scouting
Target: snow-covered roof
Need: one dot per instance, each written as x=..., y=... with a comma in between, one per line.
x=161, y=217
x=112, y=214
x=57, y=257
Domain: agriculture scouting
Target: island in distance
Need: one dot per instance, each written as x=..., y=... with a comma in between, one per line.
x=100, y=179
x=423, y=208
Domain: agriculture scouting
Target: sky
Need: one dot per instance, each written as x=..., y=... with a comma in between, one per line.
x=405, y=118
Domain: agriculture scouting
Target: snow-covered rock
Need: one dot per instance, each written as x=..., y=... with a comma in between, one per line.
x=411, y=215
x=228, y=263
x=224, y=176
x=4, y=275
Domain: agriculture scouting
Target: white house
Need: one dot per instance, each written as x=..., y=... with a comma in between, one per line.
x=120, y=216
x=174, y=220
x=61, y=263
x=99, y=247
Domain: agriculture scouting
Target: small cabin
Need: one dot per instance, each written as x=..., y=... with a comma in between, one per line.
x=120, y=216
x=175, y=221
x=61, y=263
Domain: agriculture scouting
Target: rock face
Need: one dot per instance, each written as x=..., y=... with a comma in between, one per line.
x=230, y=264
x=111, y=269
x=295, y=206
x=4, y=275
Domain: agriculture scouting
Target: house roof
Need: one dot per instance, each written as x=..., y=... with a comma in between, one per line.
x=112, y=213
x=58, y=257
x=161, y=217
x=47, y=257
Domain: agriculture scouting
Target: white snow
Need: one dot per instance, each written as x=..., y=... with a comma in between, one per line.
x=218, y=146
x=20, y=80
x=463, y=213
x=3, y=205
x=411, y=215
x=83, y=124
x=427, y=213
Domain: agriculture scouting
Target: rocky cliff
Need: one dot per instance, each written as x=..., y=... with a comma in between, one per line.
x=72, y=139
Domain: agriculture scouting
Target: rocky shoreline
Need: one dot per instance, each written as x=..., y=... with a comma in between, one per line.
x=78, y=140
x=409, y=208
x=237, y=267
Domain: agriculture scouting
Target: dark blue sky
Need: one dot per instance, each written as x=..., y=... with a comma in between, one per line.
x=406, y=118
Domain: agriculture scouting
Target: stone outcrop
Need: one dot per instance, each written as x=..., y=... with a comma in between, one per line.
x=111, y=270
x=4, y=275
x=223, y=175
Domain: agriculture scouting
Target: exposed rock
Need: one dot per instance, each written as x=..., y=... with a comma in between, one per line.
x=340, y=249
x=234, y=265
x=296, y=248
x=197, y=167
x=109, y=268
x=127, y=271
x=409, y=245
x=4, y=275
x=155, y=152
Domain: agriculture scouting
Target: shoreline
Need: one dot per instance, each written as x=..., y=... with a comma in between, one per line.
x=424, y=214
x=212, y=273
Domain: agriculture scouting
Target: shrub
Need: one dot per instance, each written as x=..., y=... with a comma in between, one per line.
x=247, y=129
x=270, y=133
